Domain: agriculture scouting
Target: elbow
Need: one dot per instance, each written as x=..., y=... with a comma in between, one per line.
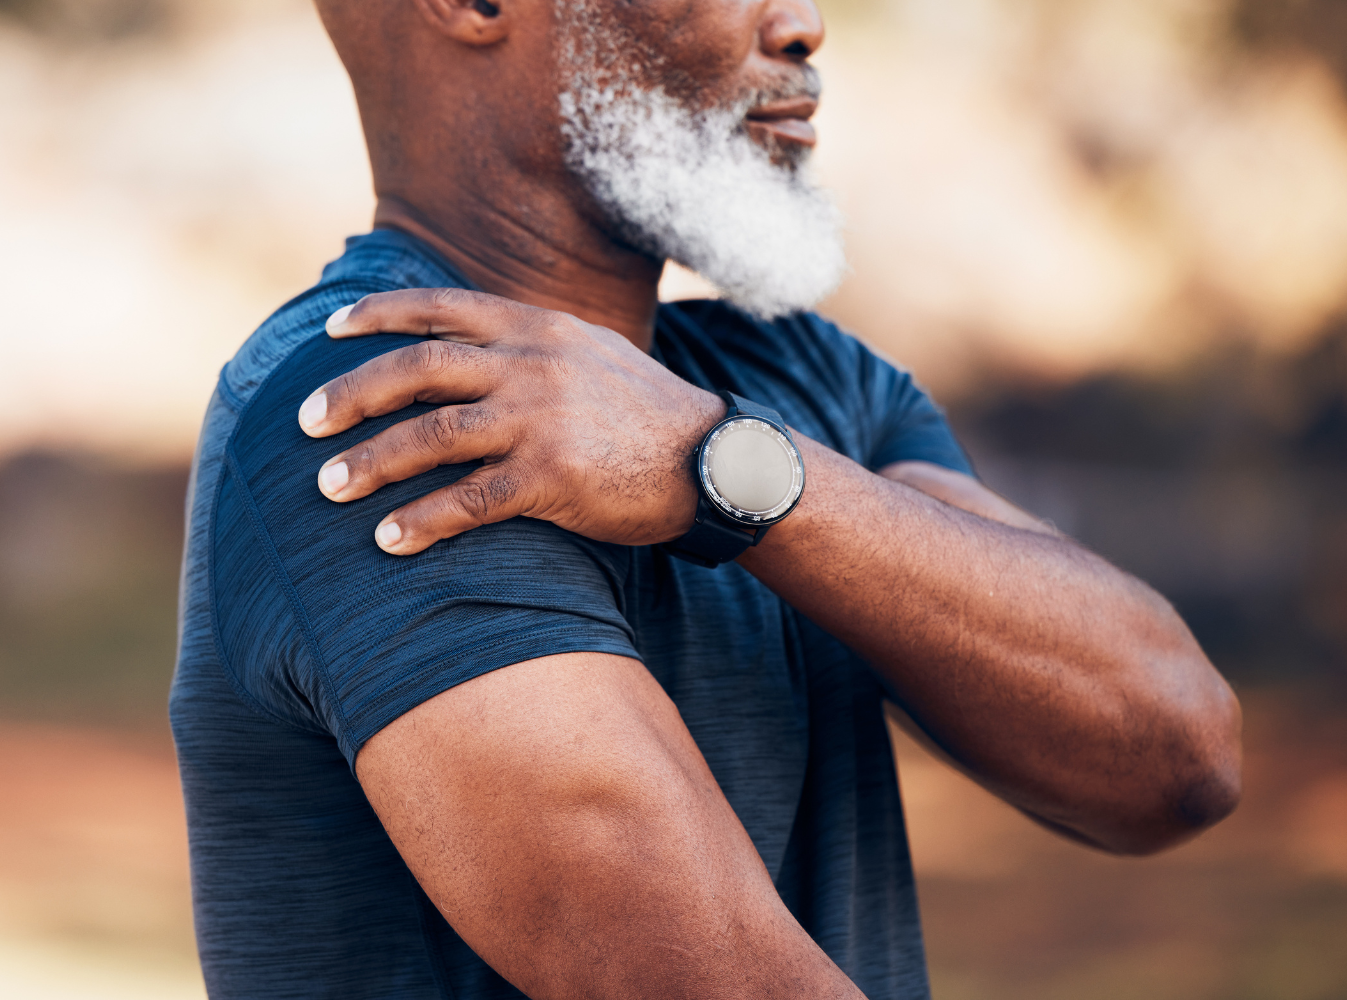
x=1198, y=783
x=1190, y=808
x=1207, y=800
x=1207, y=779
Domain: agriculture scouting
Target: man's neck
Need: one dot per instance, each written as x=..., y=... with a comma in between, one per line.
x=614, y=287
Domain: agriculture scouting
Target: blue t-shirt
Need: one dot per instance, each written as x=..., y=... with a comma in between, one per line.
x=300, y=640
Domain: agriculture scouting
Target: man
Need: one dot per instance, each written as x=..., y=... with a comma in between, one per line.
x=517, y=700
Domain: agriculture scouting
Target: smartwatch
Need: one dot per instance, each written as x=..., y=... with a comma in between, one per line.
x=749, y=476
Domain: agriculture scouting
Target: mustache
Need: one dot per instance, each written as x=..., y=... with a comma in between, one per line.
x=807, y=83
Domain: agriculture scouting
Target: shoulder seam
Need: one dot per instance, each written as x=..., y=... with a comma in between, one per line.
x=361, y=286
x=240, y=406
x=287, y=585
x=221, y=654
x=227, y=393
x=232, y=468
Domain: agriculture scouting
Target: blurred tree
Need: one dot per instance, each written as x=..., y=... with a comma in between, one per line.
x=1319, y=26
x=89, y=554
x=1221, y=482
x=91, y=20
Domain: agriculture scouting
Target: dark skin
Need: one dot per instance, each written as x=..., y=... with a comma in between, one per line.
x=557, y=811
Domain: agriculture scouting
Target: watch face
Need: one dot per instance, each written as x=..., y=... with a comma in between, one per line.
x=751, y=470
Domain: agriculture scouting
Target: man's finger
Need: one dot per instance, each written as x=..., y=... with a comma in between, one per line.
x=446, y=436
x=491, y=493
x=429, y=372
x=453, y=313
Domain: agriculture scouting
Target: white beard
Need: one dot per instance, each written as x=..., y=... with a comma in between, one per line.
x=694, y=187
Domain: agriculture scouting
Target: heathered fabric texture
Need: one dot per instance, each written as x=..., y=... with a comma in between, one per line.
x=300, y=640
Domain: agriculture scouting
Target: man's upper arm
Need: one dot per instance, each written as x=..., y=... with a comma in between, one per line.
x=364, y=636
x=562, y=819
x=906, y=423
x=914, y=445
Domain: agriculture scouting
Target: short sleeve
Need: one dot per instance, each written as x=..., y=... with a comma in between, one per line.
x=909, y=426
x=322, y=628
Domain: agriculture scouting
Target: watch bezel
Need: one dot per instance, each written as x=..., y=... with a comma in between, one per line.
x=746, y=518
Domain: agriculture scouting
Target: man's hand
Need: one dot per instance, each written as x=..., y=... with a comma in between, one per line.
x=1067, y=687
x=575, y=424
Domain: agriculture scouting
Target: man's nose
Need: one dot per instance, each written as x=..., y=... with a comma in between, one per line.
x=792, y=29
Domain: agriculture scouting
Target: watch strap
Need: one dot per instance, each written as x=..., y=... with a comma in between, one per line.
x=714, y=540
x=711, y=540
x=739, y=406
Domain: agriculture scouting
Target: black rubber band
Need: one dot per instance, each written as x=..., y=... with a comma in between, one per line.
x=711, y=541
x=714, y=540
x=739, y=405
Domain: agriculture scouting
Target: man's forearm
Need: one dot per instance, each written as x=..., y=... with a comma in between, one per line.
x=1061, y=683
x=1065, y=685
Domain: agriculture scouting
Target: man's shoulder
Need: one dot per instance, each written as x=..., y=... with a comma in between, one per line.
x=362, y=635
x=379, y=261
x=824, y=381
x=314, y=618
x=725, y=322
x=805, y=349
x=290, y=355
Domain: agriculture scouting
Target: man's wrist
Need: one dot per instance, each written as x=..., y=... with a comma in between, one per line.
x=706, y=409
x=749, y=475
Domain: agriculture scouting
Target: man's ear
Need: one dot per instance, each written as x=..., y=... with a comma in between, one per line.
x=472, y=22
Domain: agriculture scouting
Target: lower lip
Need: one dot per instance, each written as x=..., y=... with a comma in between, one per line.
x=792, y=130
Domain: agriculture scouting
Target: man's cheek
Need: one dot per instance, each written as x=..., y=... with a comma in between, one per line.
x=703, y=46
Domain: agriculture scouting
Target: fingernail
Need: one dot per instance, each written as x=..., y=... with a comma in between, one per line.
x=313, y=411
x=333, y=478
x=336, y=323
x=388, y=535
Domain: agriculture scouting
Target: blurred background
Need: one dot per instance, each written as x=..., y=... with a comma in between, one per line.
x=1111, y=236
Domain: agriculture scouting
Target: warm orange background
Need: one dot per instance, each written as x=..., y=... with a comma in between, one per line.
x=1110, y=234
